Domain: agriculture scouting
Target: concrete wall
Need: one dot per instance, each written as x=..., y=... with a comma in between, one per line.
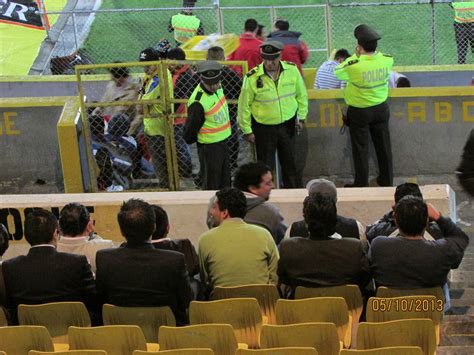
x=187, y=210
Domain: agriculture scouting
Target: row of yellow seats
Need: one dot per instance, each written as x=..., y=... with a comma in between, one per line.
x=123, y=340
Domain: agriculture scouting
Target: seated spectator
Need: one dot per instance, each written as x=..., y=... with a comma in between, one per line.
x=139, y=275
x=294, y=50
x=4, y=240
x=255, y=180
x=77, y=235
x=45, y=275
x=325, y=258
x=409, y=260
x=249, y=46
x=346, y=227
x=465, y=171
x=387, y=226
x=325, y=78
x=235, y=253
x=398, y=80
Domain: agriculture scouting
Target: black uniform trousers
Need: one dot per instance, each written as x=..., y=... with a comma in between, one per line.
x=281, y=138
x=215, y=165
x=464, y=33
x=373, y=120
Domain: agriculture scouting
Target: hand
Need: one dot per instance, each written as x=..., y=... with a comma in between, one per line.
x=433, y=213
x=299, y=127
x=250, y=137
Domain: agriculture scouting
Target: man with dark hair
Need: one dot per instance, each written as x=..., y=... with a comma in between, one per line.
x=410, y=261
x=235, y=253
x=249, y=46
x=388, y=227
x=465, y=170
x=325, y=259
x=160, y=240
x=4, y=240
x=367, y=74
x=261, y=34
x=325, y=78
x=294, y=49
x=256, y=181
x=139, y=275
x=209, y=126
x=76, y=228
x=231, y=83
x=45, y=275
x=346, y=227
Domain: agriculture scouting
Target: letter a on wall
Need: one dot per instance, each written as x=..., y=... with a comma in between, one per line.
x=22, y=12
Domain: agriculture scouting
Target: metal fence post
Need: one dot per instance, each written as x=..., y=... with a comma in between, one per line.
x=433, y=32
x=327, y=13
x=273, y=15
x=219, y=19
x=74, y=26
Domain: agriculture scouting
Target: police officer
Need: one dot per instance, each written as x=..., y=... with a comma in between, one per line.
x=367, y=73
x=208, y=124
x=185, y=25
x=152, y=114
x=273, y=104
x=463, y=27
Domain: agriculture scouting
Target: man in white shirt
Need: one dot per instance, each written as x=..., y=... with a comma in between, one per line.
x=325, y=78
x=77, y=233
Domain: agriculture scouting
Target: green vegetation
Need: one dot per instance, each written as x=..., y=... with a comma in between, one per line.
x=406, y=29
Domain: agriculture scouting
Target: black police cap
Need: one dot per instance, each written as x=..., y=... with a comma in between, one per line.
x=271, y=49
x=364, y=33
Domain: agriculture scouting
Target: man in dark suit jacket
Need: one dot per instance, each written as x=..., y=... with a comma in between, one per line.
x=325, y=258
x=44, y=274
x=139, y=275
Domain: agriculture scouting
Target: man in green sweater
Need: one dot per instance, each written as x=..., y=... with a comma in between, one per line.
x=236, y=253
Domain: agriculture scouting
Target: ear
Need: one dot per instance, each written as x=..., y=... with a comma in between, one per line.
x=253, y=189
x=90, y=226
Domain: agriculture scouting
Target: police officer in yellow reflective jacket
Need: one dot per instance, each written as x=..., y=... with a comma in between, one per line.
x=208, y=124
x=273, y=104
x=464, y=28
x=367, y=73
x=153, y=118
x=185, y=25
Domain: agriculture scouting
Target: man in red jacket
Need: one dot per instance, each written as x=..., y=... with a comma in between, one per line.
x=294, y=50
x=249, y=48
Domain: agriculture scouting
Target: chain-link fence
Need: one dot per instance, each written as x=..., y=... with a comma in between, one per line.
x=137, y=126
x=414, y=32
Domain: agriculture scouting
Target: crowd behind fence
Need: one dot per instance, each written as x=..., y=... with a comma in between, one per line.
x=414, y=32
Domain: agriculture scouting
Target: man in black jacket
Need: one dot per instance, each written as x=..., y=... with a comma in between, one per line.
x=139, y=275
x=45, y=275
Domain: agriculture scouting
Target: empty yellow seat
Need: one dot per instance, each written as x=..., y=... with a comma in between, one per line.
x=69, y=352
x=115, y=339
x=193, y=351
x=218, y=337
x=279, y=351
x=320, y=336
x=320, y=309
x=391, y=350
x=266, y=295
x=149, y=319
x=18, y=340
x=243, y=314
x=405, y=332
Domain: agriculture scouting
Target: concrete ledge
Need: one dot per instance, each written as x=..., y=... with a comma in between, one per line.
x=187, y=210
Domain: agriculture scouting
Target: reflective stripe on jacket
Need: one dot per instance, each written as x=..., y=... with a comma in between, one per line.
x=463, y=11
x=185, y=27
x=216, y=125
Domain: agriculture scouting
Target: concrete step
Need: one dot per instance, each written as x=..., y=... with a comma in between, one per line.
x=455, y=350
x=457, y=340
x=462, y=327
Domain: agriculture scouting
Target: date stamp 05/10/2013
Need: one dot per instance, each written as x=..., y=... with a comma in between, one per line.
x=411, y=304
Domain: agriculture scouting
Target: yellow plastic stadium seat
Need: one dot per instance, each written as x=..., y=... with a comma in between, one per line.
x=3, y=318
x=279, y=351
x=320, y=336
x=190, y=351
x=69, y=352
x=3, y=353
x=218, y=337
x=405, y=307
x=392, y=350
x=115, y=339
x=18, y=340
x=149, y=319
x=243, y=314
x=405, y=332
x=387, y=292
x=57, y=317
x=320, y=309
x=266, y=295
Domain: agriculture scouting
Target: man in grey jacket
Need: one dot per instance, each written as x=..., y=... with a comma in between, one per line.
x=255, y=180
